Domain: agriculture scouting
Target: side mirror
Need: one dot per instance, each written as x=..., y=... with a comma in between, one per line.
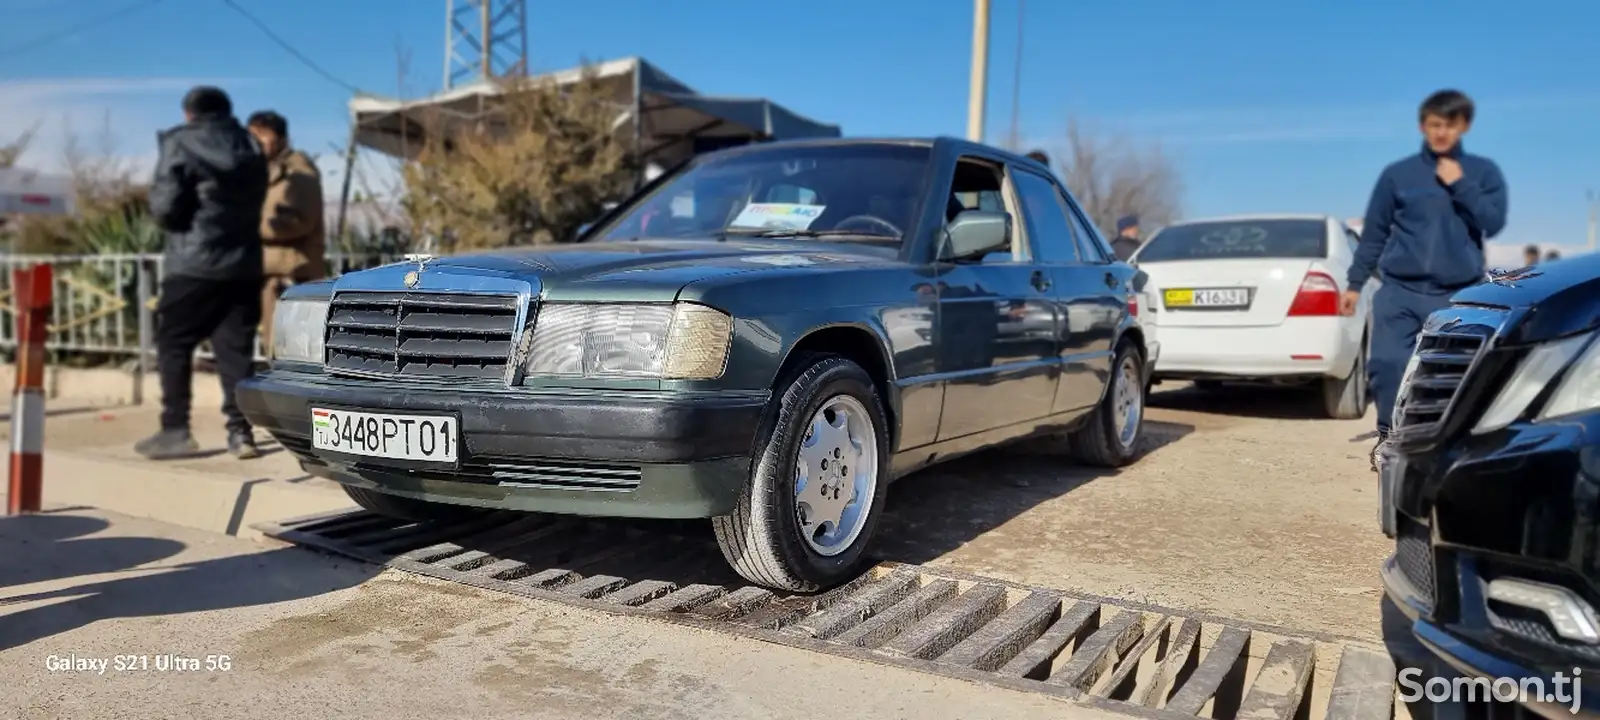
x=974, y=234
x=1140, y=279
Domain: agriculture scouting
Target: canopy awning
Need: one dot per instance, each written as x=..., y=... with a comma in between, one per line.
x=30, y=192
x=672, y=116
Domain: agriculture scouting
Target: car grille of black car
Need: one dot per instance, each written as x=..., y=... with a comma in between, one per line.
x=1443, y=360
x=1413, y=554
x=440, y=335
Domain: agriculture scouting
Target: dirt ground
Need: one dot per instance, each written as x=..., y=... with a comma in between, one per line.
x=1245, y=505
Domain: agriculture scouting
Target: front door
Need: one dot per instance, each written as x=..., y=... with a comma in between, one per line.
x=997, y=323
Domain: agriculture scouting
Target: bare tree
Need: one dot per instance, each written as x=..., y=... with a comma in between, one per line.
x=539, y=166
x=12, y=151
x=1113, y=176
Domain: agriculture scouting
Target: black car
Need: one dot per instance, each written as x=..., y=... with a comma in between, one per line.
x=765, y=337
x=1493, y=496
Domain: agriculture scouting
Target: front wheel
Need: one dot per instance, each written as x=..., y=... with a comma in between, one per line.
x=1110, y=437
x=816, y=489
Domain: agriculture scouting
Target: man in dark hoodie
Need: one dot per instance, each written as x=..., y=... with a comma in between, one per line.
x=210, y=184
x=1127, y=241
x=1423, y=236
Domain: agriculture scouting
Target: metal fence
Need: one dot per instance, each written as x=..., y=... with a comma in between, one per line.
x=104, y=304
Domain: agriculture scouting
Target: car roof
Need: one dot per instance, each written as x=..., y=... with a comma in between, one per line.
x=957, y=144
x=1250, y=216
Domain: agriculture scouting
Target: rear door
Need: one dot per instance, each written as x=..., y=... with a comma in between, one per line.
x=1234, y=273
x=1088, y=296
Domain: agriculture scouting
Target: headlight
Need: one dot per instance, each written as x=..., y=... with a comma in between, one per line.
x=1579, y=389
x=1532, y=376
x=297, y=330
x=682, y=341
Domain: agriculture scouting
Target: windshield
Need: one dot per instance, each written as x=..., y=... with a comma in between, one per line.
x=847, y=192
x=1237, y=240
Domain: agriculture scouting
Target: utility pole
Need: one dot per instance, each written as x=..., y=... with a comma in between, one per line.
x=1014, y=138
x=978, y=94
x=484, y=40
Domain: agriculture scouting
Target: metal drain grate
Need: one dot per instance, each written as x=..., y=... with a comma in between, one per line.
x=1128, y=658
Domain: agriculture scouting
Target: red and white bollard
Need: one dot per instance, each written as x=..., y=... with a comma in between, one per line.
x=31, y=292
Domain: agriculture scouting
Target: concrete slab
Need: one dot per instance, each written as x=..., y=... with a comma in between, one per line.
x=89, y=460
x=287, y=633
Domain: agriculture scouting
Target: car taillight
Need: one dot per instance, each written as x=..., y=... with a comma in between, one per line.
x=1318, y=296
x=1133, y=305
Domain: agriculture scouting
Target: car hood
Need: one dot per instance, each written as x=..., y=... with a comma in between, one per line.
x=645, y=269
x=1550, y=300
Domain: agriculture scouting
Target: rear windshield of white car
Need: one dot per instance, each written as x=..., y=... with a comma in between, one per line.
x=1237, y=240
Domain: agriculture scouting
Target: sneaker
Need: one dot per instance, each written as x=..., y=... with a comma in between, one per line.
x=242, y=444
x=167, y=444
x=1381, y=452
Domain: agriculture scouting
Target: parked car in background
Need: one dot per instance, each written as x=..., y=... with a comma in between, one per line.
x=1256, y=298
x=765, y=337
x=1492, y=494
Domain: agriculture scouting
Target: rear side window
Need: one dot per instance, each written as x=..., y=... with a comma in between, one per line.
x=1238, y=240
x=1047, y=219
x=1091, y=246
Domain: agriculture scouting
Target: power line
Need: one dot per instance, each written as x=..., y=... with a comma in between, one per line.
x=308, y=62
x=75, y=29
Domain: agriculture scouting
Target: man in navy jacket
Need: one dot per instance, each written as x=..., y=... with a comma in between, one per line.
x=1423, y=237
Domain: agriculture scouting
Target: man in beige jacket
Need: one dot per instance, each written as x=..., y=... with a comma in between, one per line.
x=293, y=236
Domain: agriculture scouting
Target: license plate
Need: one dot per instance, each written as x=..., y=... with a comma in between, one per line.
x=421, y=438
x=1207, y=297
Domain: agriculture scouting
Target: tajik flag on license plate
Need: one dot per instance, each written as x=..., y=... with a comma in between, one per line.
x=321, y=418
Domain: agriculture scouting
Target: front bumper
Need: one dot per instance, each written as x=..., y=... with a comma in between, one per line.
x=666, y=455
x=1523, y=503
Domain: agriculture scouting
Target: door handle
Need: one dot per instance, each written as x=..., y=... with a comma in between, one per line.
x=1111, y=280
x=1041, y=282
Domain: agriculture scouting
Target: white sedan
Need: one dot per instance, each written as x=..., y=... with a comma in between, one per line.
x=1256, y=298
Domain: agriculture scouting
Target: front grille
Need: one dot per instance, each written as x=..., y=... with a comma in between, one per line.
x=1442, y=361
x=442, y=335
x=537, y=473
x=1413, y=554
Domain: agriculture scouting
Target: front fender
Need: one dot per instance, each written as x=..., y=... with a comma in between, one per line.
x=888, y=309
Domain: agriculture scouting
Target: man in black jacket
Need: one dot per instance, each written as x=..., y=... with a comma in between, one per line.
x=210, y=183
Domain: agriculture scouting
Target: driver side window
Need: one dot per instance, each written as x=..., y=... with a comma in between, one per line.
x=980, y=185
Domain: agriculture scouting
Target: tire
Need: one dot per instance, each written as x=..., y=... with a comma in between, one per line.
x=763, y=539
x=1346, y=398
x=1099, y=442
x=405, y=508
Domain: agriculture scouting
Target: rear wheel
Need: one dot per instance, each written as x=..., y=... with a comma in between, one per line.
x=1110, y=436
x=815, y=492
x=406, y=508
x=1346, y=398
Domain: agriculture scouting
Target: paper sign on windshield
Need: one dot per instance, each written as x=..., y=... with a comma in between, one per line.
x=778, y=216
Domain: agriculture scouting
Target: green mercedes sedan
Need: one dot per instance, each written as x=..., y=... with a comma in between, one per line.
x=765, y=337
